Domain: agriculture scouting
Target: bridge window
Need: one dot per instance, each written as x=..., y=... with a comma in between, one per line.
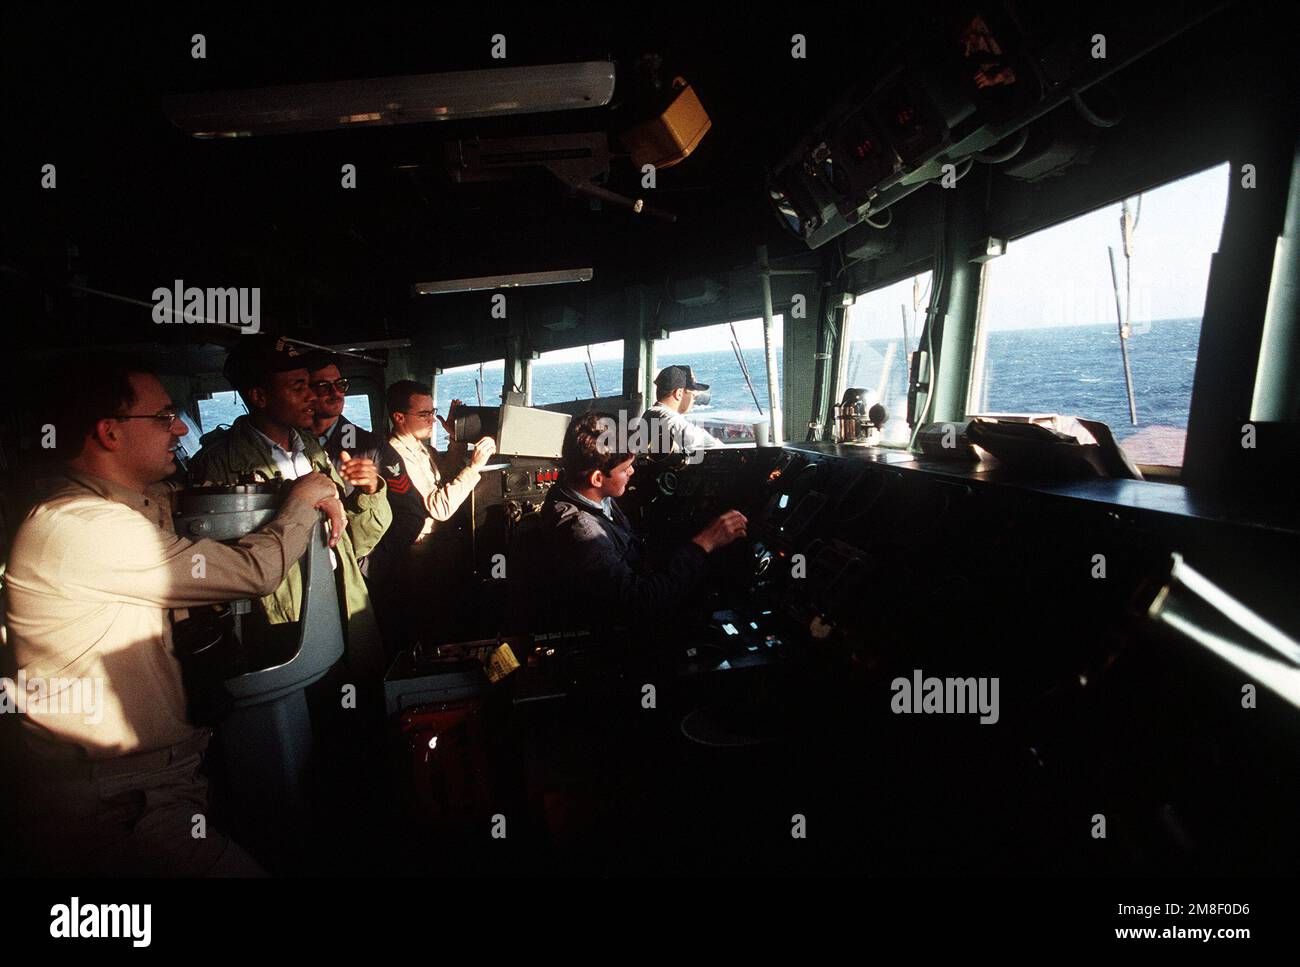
x=356, y=407
x=191, y=439
x=883, y=328
x=1049, y=338
x=731, y=409
x=561, y=374
x=222, y=409
x=478, y=384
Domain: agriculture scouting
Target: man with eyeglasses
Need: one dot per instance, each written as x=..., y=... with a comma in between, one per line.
x=334, y=431
x=422, y=552
x=111, y=783
x=274, y=438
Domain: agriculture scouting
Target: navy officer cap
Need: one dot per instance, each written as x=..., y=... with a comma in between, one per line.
x=257, y=356
x=677, y=377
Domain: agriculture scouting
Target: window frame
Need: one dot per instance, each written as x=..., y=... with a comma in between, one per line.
x=978, y=353
x=840, y=380
x=778, y=322
x=605, y=390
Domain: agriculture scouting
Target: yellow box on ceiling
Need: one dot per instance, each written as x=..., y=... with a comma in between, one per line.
x=668, y=139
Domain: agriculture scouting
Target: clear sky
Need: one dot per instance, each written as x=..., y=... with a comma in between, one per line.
x=879, y=314
x=1061, y=275
x=712, y=338
x=600, y=350
x=706, y=339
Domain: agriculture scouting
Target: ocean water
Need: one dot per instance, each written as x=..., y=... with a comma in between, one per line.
x=1075, y=370
x=1080, y=371
x=563, y=382
x=1072, y=371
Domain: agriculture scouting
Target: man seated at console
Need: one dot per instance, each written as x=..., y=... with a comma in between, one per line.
x=669, y=429
x=95, y=577
x=598, y=566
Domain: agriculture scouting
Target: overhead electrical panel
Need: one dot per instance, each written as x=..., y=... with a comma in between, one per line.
x=965, y=94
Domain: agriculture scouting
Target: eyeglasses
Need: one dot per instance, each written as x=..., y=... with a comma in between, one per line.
x=423, y=414
x=165, y=418
x=321, y=387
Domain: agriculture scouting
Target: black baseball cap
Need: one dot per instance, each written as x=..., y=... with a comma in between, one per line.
x=677, y=377
x=257, y=356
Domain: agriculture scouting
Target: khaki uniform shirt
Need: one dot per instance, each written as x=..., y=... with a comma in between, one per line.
x=441, y=501
x=93, y=576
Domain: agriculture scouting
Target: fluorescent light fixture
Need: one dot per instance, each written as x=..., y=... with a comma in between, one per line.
x=381, y=101
x=356, y=347
x=501, y=281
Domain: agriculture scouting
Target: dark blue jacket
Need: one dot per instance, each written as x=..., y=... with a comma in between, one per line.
x=599, y=570
x=365, y=443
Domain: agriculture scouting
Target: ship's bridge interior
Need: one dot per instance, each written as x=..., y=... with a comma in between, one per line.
x=998, y=311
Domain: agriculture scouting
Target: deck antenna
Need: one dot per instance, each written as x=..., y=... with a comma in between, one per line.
x=590, y=366
x=1127, y=225
x=917, y=296
x=744, y=369
x=478, y=383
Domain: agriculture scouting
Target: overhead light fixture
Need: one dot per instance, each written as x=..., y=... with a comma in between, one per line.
x=847, y=299
x=514, y=281
x=356, y=347
x=666, y=140
x=381, y=101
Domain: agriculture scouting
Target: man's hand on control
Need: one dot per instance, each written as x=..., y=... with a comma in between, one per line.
x=320, y=492
x=360, y=472
x=483, y=451
x=725, y=529
x=449, y=421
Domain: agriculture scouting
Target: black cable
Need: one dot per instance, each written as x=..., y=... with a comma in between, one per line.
x=998, y=157
x=958, y=175
x=938, y=282
x=1091, y=116
x=925, y=294
x=828, y=371
x=889, y=212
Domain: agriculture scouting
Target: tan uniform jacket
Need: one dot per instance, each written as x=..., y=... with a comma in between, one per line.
x=93, y=576
x=440, y=499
